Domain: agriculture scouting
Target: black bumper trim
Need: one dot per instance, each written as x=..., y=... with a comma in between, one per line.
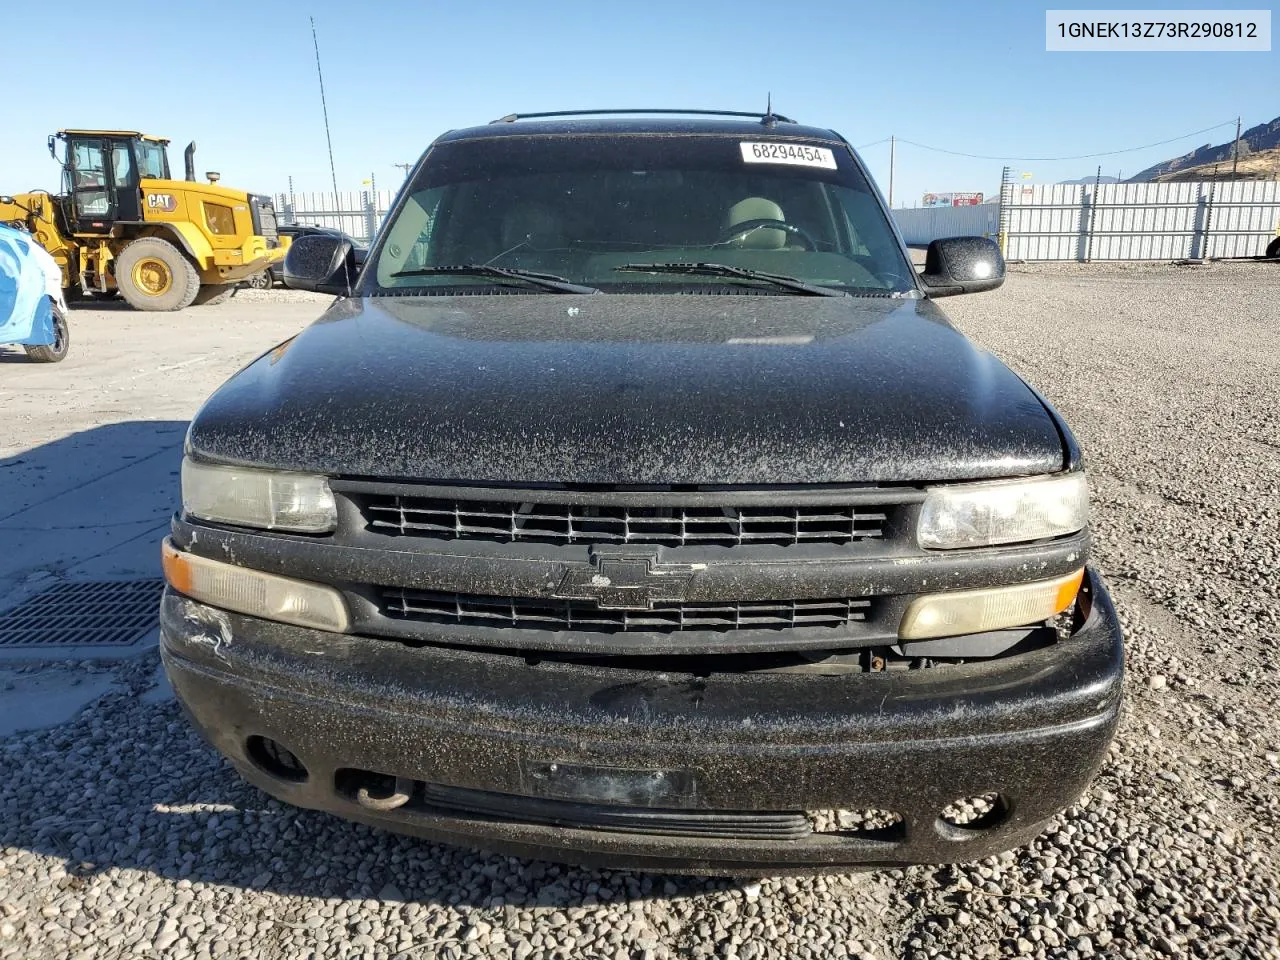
x=437, y=800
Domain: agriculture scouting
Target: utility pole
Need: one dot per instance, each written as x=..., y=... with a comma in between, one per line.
x=892, y=144
x=406, y=167
x=1235, y=152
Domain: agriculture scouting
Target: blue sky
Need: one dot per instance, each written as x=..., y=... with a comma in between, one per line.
x=970, y=78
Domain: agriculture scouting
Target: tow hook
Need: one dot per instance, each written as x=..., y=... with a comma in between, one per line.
x=398, y=797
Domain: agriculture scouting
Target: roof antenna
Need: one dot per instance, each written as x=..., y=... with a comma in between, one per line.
x=768, y=120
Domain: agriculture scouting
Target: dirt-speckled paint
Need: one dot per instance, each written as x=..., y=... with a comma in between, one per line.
x=632, y=389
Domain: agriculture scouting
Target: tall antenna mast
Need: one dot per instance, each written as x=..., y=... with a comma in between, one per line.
x=323, y=106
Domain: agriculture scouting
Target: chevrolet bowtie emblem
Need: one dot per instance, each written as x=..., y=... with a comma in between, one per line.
x=628, y=581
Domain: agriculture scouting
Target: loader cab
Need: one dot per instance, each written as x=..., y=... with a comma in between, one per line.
x=101, y=175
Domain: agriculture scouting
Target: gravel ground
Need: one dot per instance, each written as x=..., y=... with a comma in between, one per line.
x=123, y=835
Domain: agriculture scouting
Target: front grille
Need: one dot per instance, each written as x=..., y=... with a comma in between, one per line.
x=529, y=613
x=679, y=526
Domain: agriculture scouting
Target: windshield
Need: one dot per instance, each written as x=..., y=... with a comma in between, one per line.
x=593, y=209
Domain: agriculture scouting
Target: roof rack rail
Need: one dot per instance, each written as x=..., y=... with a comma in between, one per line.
x=766, y=118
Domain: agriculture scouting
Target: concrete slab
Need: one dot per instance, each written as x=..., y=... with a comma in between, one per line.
x=92, y=446
x=90, y=505
x=29, y=701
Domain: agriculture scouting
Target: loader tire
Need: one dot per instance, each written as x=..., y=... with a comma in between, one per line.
x=1274, y=249
x=152, y=274
x=211, y=294
x=53, y=352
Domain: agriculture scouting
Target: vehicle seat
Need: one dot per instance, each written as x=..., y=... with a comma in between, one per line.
x=756, y=208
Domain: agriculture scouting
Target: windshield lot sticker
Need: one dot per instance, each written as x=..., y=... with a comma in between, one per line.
x=796, y=154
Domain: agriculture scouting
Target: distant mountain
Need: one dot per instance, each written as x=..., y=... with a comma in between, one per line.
x=1103, y=179
x=1265, y=136
x=1254, y=165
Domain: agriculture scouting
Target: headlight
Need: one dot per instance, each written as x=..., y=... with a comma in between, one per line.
x=267, y=499
x=253, y=592
x=976, y=611
x=1005, y=511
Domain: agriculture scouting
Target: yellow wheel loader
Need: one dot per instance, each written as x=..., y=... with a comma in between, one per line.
x=120, y=225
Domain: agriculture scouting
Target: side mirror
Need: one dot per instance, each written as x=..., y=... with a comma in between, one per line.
x=8, y=200
x=321, y=262
x=957, y=265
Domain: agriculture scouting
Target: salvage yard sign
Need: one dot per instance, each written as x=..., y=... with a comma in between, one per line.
x=952, y=199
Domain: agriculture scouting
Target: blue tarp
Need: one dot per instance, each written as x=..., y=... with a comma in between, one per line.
x=30, y=283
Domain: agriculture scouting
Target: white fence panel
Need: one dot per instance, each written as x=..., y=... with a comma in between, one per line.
x=1144, y=221
x=1140, y=221
x=355, y=212
x=921, y=225
x=1243, y=218
x=1044, y=221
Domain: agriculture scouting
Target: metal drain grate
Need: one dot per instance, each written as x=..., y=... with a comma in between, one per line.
x=104, y=614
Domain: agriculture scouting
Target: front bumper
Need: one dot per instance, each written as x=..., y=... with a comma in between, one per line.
x=251, y=258
x=1033, y=728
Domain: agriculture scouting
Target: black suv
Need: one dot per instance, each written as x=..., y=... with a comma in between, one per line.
x=635, y=504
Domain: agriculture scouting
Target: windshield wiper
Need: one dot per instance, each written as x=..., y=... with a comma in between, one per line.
x=547, y=281
x=742, y=273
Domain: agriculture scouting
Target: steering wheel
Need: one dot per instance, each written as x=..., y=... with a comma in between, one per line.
x=739, y=230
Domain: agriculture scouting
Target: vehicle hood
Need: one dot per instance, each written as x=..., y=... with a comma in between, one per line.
x=631, y=389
